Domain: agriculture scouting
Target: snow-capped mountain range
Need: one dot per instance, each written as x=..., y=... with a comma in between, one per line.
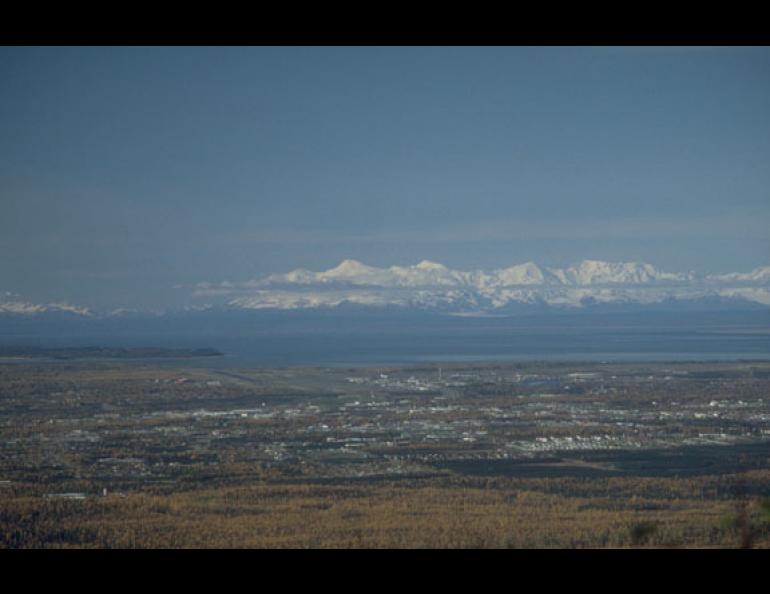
x=430, y=285
x=10, y=303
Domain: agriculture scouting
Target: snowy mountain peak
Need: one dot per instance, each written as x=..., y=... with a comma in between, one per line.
x=528, y=273
x=348, y=268
x=300, y=276
x=353, y=272
x=593, y=272
x=428, y=265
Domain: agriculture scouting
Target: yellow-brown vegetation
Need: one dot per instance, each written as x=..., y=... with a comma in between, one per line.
x=438, y=513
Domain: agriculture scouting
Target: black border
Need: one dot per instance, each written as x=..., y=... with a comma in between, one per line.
x=388, y=24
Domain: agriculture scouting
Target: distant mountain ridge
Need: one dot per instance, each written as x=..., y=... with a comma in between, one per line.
x=11, y=303
x=431, y=285
x=428, y=273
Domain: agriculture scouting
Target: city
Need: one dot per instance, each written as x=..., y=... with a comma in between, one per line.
x=104, y=431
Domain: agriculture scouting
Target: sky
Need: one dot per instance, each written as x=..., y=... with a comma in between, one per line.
x=129, y=174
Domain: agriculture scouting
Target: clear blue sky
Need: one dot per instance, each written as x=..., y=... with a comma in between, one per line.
x=126, y=171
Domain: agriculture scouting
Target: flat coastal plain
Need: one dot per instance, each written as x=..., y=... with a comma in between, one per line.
x=105, y=454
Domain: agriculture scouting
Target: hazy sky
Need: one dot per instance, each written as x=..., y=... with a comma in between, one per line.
x=127, y=171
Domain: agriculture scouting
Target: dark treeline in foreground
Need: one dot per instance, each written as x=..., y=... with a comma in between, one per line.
x=267, y=510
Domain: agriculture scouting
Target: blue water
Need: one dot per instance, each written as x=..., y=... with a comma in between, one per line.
x=341, y=349
x=375, y=349
x=356, y=341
